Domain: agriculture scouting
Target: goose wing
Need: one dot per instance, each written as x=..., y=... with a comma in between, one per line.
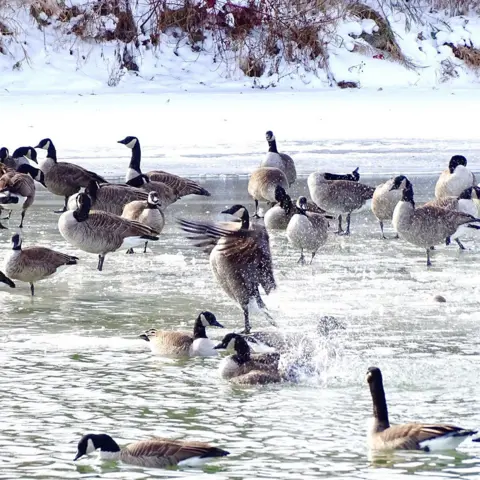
x=46, y=259
x=450, y=203
x=123, y=228
x=181, y=186
x=410, y=436
x=430, y=216
x=21, y=183
x=74, y=175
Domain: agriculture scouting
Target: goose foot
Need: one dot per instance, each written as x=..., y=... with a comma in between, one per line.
x=3, y=227
x=460, y=244
x=301, y=260
x=130, y=251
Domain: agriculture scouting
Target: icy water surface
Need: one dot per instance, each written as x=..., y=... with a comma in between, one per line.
x=71, y=362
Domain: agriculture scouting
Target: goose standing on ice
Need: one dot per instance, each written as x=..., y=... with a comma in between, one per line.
x=154, y=453
x=409, y=436
x=279, y=160
x=240, y=256
x=62, y=178
x=263, y=184
x=101, y=232
x=428, y=225
x=136, y=178
x=307, y=230
x=338, y=196
x=385, y=199
x=33, y=264
x=453, y=181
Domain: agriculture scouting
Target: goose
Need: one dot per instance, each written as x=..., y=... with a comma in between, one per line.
x=17, y=189
x=33, y=264
x=22, y=155
x=100, y=232
x=409, y=436
x=428, y=225
x=385, y=199
x=263, y=184
x=240, y=256
x=6, y=280
x=279, y=160
x=180, y=185
x=147, y=212
x=454, y=180
x=136, y=178
x=153, y=453
x=62, y=178
x=465, y=203
x=277, y=217
x=165, y=342
x=338, y=196
x=245, y=368
x=307, y=230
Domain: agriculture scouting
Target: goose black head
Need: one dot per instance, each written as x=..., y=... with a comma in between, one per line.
x=91, y=442
x=153, y=201
x=147, y=334
x=302, y=204
x=476, y=193
x=467, y=194
x=400, y=181
x=407, y=194
x=240, y=212
x=44, y=144
x=234, y=341
x=373, y=375
x=27, y=152
x=4, y=153
x=280, y=194
x=355, y=176
x=455, y=161
x=16, y=242
x=5, y=279
x=129, y=142
x=208, y=319
x=270, y=136
x=84, y=204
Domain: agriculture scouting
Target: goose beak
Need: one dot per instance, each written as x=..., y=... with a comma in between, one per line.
x=77, y=456
x=219, y=346
x=5, y=279
x=144, y=336
x=37, y=146
x=215, y=323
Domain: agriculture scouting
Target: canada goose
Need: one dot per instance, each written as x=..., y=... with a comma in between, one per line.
x=307, y=230
x=33, y=264
x=385, y=199
x=453, y=181
x=279, y=160
x=136, y=178
x=22, y=155
x=338, y=196
x=244, y=367
x=165, y=342
x=239, y=256
x=465, y=203
x=277, y=217
x=6, y=280
x=154, y=453
x=147, y=212
x=62, y=178
x=100, y=232
x=409, y=436
x=263, y=183
x=180, y=185
x=428, y=225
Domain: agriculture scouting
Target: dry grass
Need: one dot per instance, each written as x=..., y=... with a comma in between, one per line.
x=471, y=56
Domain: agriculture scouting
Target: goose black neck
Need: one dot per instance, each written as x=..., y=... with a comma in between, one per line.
x=52, y=152
x=151, y=205
x=380, y=411
x=286, y=204
x=242, y=351
x=407, y=194
x=138, y=181
x=272, y=146
x=105, y=443
x=245, y=220
x=136, y=157
x=199, y=330
x=81, y=213
x=35, y=173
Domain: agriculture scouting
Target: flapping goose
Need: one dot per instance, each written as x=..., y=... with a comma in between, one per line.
x=385, y=199
x=307, y=230
x=279, y=160
x=147, y=212
x=33, y=264
x=465, y=203
x=62, y=178
x=263, y=184
x=17, y=189
x=100, y=232
x=239, y=256
x=154, y=453
x=110, y=197
x=428, y=225
x=136, y=178
x=165, y=342
x=453, y=181
x=244, y=367
x=409, y=436
x=338, y=196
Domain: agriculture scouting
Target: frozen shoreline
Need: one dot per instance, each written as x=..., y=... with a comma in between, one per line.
x=216, y=132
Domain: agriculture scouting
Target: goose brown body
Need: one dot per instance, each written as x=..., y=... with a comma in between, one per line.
x=180, y=186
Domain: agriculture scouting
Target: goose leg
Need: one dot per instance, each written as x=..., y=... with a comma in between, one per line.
x=32, y=289
x=301, y=260
x=130, y=251
x=8, y=216
x=23, y=216
x=145, y=248
x=396, y=237
x=64, y=206
x=255, y=215
x=340, y=229
x=448, y=241
x=313, y=255
x=460, y=244
x=381, y=228
x=247, y=320
x=101, y=259
x=429, y=263
x=347, y=231
x=3, y=227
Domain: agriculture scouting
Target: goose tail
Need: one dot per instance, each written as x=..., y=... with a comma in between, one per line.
x=97, y=177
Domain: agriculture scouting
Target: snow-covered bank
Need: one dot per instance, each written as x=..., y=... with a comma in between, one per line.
x=410, y=130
